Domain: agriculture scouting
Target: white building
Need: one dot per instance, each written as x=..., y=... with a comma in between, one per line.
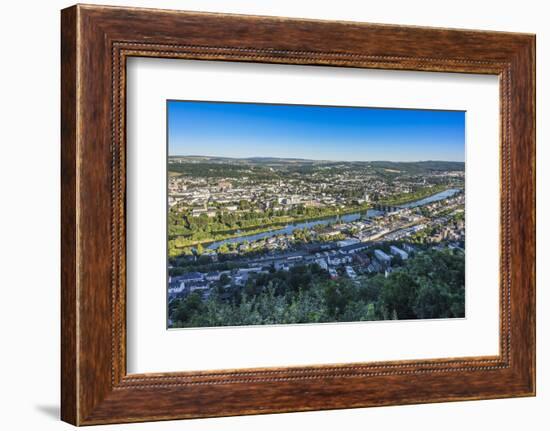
x=381, y=256
x=396, y=251
x=347, y=242
x=322, y=263
x=213, y=276
x=177, y=289
x=195, y=287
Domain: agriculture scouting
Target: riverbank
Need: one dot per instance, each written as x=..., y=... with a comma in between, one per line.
x=180, y=244
x=407, y=198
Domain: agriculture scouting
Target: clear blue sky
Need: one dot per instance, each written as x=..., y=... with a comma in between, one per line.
x=314, y=132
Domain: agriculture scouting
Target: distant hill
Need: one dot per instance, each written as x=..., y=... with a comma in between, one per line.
x=427, y=164
x=432, y=165
x=272, y=167
x=243, y=160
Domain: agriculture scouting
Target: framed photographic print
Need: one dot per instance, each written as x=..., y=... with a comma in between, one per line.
x=267, y=215
x=262, y=231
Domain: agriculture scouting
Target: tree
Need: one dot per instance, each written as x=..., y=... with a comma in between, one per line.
x=433, y=301
x=428, y=285
x=399, y=294
x=188, y=308
x=223, y=248
x=371, y=288
x=371, y=312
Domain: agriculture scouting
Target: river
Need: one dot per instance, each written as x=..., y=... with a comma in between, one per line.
x=433, y=198
x=288, y=229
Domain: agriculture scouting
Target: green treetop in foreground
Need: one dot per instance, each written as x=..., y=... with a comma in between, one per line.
x=429, y=285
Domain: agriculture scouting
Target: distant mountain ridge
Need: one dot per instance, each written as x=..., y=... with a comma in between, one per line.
x=427, y=164
x=273, y=167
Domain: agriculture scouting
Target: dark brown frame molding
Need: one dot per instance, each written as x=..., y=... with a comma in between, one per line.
x=95, y=43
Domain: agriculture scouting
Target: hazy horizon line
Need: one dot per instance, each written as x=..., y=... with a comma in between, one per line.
x=316, y=160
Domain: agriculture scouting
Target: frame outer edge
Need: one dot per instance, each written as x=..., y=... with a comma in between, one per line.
x=69, y=196
x=533, y=54
x=88, y=397
x=528, y=60
x=532, y=99
x=523, y=216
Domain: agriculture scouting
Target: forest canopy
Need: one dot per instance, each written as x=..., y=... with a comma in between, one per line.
x=428, y=285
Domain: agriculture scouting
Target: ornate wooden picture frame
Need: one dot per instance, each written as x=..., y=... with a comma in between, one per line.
x=96, y=41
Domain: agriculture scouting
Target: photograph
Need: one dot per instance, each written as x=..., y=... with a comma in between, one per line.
x=293, y=214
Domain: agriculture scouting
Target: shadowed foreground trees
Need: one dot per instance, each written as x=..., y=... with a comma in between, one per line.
x=429, y=285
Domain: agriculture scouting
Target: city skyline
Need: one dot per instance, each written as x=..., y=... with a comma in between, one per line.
x=319, y=133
